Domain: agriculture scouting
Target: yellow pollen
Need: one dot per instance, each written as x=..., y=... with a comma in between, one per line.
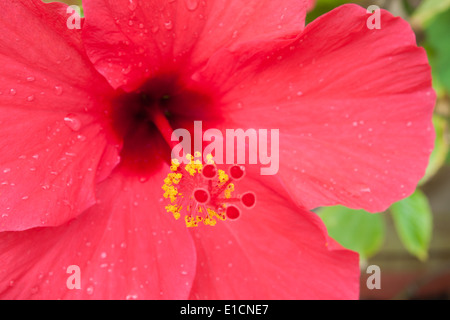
x=179, y=187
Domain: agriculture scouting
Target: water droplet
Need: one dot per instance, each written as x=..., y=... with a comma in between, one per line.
x=90, y=290
x=126, y=70
x=143, y=179
x=132, y=5
x=31, y=79
x=30, y=98
x=12, y=91
x=72, y=122
x=299, y=93
x=191, y=4
x=58, y=90
x=168, y=25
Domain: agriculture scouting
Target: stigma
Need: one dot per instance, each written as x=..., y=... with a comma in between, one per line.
x=202, y=193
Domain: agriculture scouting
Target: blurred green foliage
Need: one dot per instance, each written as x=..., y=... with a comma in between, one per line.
x=413, y=222
x=356, y=230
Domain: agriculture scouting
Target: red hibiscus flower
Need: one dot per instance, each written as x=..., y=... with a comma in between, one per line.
x=86, y=117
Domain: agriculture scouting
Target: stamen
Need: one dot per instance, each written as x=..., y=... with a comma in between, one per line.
x=203, y=193
x=159, y=119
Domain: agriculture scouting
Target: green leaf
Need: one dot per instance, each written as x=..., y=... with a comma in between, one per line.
x=324, y=6
x=437, y=36
x=428, y=9
x=356, y=230
x=440, y=151
x=413, y=221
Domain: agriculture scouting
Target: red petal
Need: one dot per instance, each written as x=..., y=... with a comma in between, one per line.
x=353, y=107
x=128, y=40
x=127, y=247
x=311, y=5
x=50, y=145
x=274, y=251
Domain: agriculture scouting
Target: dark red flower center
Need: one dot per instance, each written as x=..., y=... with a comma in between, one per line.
x=145, y=119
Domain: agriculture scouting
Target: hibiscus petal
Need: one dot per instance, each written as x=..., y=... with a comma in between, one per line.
x=128, y=40
x=353, y=107
x=273, y=251
x=126, y=247
x=50, y=145
x=311, y=5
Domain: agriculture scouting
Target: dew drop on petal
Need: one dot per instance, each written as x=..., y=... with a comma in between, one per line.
x=168, y=25
x=191, y=4
x=90, y=290
x=126, y=70
x=132, y=5
x=58, y=90
x=72, y=122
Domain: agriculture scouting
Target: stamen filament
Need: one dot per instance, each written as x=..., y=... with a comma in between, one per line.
x=158, y=117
